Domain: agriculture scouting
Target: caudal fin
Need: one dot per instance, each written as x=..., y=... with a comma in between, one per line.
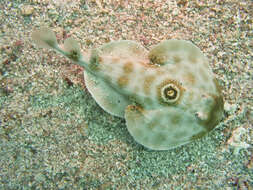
x=44, y=37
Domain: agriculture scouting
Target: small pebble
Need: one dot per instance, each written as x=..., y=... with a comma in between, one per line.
x=27, y=10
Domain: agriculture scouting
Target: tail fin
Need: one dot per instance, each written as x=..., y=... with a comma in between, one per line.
x=45, y=37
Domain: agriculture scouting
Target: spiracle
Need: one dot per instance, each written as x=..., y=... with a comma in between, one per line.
x=169, y=92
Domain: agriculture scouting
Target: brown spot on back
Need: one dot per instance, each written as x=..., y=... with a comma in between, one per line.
x=176, y=59
x=147, y=84
x=128, y=67
x=136, y=49
x=192, y=58
x=189, y=77
x=123, y=81
x=115, y=60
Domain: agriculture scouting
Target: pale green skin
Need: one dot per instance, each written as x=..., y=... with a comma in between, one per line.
x=168, y=96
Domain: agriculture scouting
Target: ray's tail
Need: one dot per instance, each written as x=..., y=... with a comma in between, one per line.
x=44, y=37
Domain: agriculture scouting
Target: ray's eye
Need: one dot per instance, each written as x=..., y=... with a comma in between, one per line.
x=169, y=91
